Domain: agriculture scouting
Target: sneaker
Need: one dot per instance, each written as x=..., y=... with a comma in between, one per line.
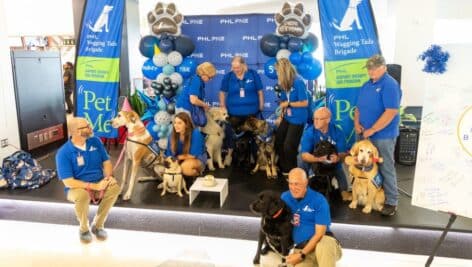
x=85, y=237
x=101, y=234
x=389, y=210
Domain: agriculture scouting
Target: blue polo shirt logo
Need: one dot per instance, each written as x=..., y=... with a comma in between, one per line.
x=378, y=89
x=308, y=209
x=92, y=148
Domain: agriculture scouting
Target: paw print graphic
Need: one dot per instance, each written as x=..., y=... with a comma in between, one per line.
x=165, y=19
x=293, y=21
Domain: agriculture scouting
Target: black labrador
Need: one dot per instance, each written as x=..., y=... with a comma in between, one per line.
x=323, y=171
x=276, y=227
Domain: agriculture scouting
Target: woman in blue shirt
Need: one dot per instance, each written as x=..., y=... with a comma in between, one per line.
x=241, y=94
x=187, y=144
x=193, y=92
x=294, y=103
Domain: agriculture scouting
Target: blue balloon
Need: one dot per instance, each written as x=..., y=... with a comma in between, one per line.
x=295, y=44
x=312, y=71
x=270, y=44
x=283, y=45
x=187, y=67
x=285, y=38
x=184, y=45
x=310, y=44
x=168, y=69
x=295, y=58
x=166, y=45
x=269, y=69
x=307, y=57
x=150, y=71
x=150, y=129
x=146, y=45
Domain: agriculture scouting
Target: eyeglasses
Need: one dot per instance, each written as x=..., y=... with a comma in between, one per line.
x=85, y=127
x=321, y=119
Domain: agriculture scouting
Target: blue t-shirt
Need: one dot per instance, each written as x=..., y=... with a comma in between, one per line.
x=313, y=209
x=312, y=136
x=197, y=146
x=193, y=86
x=86, y=166
x=242, y=102
x=373, y=99
x=298, y=115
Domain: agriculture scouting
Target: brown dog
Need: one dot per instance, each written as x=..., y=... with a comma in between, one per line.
x=366, y=189
x=136, y=148
x=265, y=140
x=172, y=180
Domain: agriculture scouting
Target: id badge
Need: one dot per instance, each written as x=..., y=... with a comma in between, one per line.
x=289, y=111
x=80, y=160
x=241, y=92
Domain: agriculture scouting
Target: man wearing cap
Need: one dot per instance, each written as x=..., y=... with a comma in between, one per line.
x=376, y=117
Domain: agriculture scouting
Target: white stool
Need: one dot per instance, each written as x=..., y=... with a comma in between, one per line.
x=221, y=187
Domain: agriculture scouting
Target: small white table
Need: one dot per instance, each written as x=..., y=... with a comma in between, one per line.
x=221, y=187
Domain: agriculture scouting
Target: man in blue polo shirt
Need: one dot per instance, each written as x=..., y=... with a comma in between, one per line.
x=315, y=244
x=84, y=167
x=376, y=117
x=323, y=129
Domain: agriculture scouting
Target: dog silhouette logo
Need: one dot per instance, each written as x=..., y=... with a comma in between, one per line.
x=351, y=16
x=102, y=20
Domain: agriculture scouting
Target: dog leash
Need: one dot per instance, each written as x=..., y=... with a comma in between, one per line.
x=92, y=195
x=120, y=157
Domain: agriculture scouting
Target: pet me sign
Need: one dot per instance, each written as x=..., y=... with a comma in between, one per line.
x=98, y=64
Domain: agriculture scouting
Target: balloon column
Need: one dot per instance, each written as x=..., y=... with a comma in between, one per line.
x=293, y=41
x=167, y=65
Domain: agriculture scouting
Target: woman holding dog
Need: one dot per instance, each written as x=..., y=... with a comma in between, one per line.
x=187, y=144
x=193, y=92
x=241, y=95
x=294, y=103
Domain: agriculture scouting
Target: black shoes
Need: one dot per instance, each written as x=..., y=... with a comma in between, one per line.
x=389, y=210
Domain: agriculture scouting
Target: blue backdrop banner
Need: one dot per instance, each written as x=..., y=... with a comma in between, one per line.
x=219, y=38
x=349, y=38
x=98, y=64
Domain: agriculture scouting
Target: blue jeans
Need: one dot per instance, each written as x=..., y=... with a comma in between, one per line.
x=340, y=175
x=386, y=149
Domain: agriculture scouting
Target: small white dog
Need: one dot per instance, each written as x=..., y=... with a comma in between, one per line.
x=215, y=134
x=172, y=180
x=350, y=16
x=102, y=20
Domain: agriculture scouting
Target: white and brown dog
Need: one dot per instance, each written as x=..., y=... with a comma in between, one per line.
x=366, y=187
x=137, y=151
x=172, y=180
x=215, y=134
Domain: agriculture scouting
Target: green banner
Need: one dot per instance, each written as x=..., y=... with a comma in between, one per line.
x=98, y=69
x=345, y=73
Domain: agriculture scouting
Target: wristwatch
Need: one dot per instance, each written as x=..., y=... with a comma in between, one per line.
x=302, y=255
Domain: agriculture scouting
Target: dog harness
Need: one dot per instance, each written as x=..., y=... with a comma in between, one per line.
x=153, y=147
x=266, y=138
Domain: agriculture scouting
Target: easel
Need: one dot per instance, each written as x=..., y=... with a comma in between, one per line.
x=452, y=218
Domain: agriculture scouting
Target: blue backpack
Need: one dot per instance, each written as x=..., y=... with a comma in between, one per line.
x=20, y=170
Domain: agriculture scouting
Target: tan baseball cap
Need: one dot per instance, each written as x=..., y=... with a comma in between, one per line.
x=375, y=62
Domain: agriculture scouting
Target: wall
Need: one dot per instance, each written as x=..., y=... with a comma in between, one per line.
x=8, y=118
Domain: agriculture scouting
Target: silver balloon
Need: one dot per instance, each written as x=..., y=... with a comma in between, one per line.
x=176, y=78
x=160, y=59
x=160, y=78
x=174, y=58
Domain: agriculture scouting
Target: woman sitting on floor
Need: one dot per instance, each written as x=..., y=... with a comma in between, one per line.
x=187, y=144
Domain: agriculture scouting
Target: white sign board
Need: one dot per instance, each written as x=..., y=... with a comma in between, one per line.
x=443, y=177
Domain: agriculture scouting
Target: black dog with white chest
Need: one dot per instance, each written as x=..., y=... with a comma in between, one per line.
x=323, y=171
x=276, y=228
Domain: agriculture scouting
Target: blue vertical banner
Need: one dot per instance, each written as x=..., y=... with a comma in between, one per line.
x=349, y=38
x=98, y=64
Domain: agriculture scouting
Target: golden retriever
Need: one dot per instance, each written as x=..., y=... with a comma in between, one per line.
x=215, y=134
x=136, y=148
x=366, y=189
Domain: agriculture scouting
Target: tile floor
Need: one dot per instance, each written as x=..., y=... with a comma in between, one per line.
x=38, y=245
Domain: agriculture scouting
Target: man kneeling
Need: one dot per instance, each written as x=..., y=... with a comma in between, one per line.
x=315, y=243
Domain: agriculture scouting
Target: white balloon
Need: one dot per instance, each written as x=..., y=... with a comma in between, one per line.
x=283, y=53
x=176, y=78
x=160, y=78
x=174, y=58
x=160, y=59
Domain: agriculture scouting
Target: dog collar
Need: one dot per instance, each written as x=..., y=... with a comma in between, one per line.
x=277, y=214
x=137, y=131
x=364, y=168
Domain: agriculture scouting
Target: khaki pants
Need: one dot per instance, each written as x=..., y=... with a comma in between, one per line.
x=326, y=253
x=80, y=197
